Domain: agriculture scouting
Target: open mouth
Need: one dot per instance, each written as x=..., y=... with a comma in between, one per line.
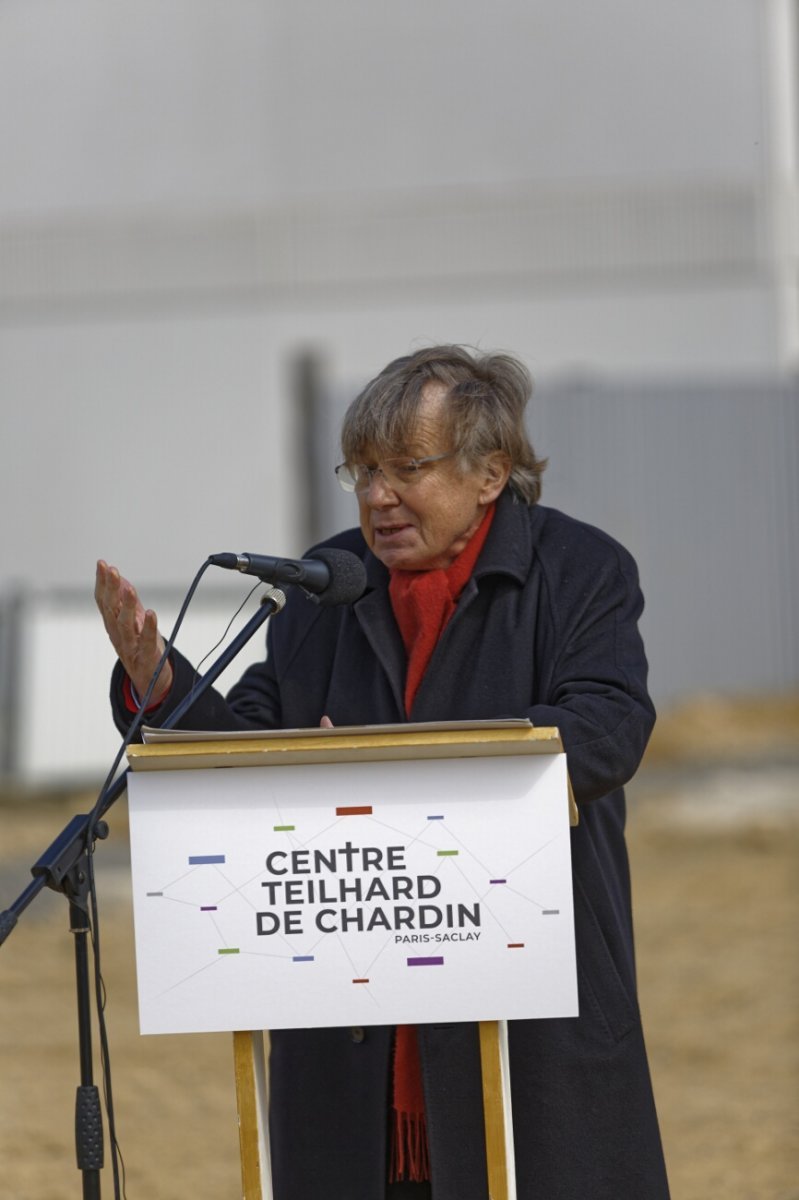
x=389, y=531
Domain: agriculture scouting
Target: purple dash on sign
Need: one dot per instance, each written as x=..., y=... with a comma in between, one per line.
x=302, y=958
x=207, y=908
x=198, y=860
x=497, y=881
x=426, y=962
x=436, y=818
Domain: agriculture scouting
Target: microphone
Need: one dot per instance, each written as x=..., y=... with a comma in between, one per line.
x=331, y=576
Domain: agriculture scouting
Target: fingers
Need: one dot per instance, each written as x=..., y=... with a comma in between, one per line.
x=326, y=723
x=150, y=647
x=110, y=590
x=132, y=629
x=129, y=614
x=107, y=598
x=119, y=606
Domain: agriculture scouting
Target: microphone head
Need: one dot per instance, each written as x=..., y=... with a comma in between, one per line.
x=347, y=576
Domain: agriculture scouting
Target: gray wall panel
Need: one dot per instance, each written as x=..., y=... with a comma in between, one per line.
x=700, y=484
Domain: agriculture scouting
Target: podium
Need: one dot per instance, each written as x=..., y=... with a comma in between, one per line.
x=353, y=876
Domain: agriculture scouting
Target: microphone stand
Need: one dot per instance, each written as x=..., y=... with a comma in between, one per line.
x=64, y=867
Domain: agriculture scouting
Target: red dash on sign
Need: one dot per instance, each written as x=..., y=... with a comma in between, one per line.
x=363, y=810
x=515, y=945
x=360, y=981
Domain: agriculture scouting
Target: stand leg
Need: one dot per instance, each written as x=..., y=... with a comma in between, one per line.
x=497, y=1110
x=88, y=1113
x=252, y=1096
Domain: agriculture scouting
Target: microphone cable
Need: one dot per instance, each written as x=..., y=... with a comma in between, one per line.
x=227, y=630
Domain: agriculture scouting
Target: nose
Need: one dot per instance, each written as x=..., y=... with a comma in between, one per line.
x=379, y=493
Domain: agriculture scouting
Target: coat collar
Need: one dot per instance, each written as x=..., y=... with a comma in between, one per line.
x=511, y=539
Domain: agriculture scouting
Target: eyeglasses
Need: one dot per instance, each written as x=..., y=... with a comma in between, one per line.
x=397, y=472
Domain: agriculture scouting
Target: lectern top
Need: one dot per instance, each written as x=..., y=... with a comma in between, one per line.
x=189, y=750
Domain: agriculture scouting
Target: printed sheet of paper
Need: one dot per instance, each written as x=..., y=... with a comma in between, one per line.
x=353, y=894
x=152, y=735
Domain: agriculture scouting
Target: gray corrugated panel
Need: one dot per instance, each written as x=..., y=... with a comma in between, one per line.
x=699, y=482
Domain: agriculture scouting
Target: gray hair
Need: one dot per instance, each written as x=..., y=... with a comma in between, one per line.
x=485, y=403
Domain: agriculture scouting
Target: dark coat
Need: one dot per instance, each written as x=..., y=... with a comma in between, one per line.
x=546, y=628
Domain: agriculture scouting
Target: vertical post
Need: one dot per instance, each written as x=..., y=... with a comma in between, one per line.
x=310, y=453
x=12, y=652
x=497, y=1110
x=252, y=1098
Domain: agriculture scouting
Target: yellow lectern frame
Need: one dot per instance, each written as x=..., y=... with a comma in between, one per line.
x=250, y=1048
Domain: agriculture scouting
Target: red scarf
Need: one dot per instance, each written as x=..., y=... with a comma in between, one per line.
x=423, y=602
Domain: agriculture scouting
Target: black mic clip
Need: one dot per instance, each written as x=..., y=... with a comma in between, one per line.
x=329, y=575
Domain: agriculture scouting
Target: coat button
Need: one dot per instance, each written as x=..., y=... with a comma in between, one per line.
x=357, y=1034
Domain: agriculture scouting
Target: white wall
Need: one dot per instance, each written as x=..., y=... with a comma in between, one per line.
x=192, y=192
x=151, y=443
x=195, y=103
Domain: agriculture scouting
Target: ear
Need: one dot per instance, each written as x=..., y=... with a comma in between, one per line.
x=496, y=472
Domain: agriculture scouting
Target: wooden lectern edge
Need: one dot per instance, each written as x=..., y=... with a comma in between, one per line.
x=497, y=1111
x=250, y=1056
x=298, y=748
x=357, y=747
x=317, y=746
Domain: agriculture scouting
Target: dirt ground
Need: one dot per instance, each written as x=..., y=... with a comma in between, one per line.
x=713, y=835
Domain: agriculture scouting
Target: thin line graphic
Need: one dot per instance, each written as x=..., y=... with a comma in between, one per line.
x=186, y=978
x=535, y=852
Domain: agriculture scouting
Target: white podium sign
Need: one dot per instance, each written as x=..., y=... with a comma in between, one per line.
x=352, y=894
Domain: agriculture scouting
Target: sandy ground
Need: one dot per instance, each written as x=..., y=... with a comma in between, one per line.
x=713, y=834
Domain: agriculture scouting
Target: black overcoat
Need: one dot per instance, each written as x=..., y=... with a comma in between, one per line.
x=546, y=628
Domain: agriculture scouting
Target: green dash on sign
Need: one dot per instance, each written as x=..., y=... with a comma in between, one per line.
x=229, y=951
x=446, y=853
x=283, y=828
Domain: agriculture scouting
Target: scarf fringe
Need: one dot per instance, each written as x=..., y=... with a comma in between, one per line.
x=410, y=1155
